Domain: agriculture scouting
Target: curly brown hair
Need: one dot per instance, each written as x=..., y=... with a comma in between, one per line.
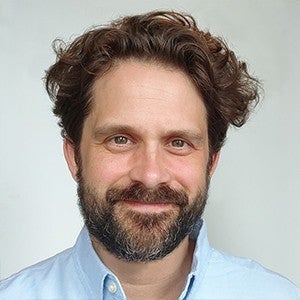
x=166, y=37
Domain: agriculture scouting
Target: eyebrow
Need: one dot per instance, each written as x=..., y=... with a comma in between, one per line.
x=195, y=136
x=107, y=130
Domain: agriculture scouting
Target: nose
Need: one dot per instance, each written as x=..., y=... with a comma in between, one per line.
x=149, y=168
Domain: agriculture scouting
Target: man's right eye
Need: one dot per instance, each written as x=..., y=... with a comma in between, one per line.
x=119, y=143
x=120, y=140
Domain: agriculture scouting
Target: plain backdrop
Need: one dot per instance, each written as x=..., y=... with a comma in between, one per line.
x=254, y=204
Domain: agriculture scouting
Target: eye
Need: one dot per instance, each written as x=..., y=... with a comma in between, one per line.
x=120, y=140
x=179, y=146
x=178, y=143
x=119, y=143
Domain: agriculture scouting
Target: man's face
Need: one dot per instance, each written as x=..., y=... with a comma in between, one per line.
x=143, y=168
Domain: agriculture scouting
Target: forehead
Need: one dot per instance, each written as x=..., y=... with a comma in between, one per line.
x=140, y=90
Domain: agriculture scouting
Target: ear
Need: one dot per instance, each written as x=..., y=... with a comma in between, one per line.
x=69, y=153
x=214, y=163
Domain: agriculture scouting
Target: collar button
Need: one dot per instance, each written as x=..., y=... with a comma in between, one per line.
x=112, y=287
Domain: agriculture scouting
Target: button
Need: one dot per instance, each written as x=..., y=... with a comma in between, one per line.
x=112, y=287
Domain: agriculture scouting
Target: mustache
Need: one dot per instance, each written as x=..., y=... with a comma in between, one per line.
x=138, y=192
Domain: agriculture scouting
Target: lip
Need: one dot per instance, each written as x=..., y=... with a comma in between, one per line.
x=148, y=207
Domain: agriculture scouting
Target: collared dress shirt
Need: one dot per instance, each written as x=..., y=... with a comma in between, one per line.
x=78, y=274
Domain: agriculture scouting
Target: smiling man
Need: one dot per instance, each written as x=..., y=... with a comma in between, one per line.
x=144, y=105
x=142, y=174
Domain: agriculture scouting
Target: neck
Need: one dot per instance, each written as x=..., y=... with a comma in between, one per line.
x=161, y=279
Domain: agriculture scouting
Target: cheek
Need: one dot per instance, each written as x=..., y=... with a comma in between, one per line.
x=191, y=174
x=104, y=170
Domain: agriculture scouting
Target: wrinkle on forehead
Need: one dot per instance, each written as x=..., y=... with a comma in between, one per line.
x=151, y=83
x=134, y=91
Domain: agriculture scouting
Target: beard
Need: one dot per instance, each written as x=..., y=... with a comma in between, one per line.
x=138, y=236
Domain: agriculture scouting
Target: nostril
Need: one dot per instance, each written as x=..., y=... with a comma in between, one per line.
x=149, y=173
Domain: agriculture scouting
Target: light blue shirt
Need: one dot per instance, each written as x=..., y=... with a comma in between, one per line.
x=78, y=273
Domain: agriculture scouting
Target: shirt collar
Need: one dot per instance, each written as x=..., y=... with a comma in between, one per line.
x=93, y=273
x=95, y=276
x=201, y=257
x=202, y=250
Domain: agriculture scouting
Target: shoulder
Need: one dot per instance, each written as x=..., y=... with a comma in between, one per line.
x=246, y=278
x=43, y=278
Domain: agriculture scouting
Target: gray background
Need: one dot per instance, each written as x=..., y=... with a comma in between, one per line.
x=254, y=204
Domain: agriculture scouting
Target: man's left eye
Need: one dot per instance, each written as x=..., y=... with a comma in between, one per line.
x=178, y=143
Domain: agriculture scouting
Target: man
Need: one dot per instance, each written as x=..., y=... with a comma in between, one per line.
x=144, y=105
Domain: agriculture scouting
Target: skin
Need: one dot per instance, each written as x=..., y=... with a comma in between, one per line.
x=147, y=124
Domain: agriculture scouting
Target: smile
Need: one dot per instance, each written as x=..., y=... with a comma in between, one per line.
x=148, y=207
